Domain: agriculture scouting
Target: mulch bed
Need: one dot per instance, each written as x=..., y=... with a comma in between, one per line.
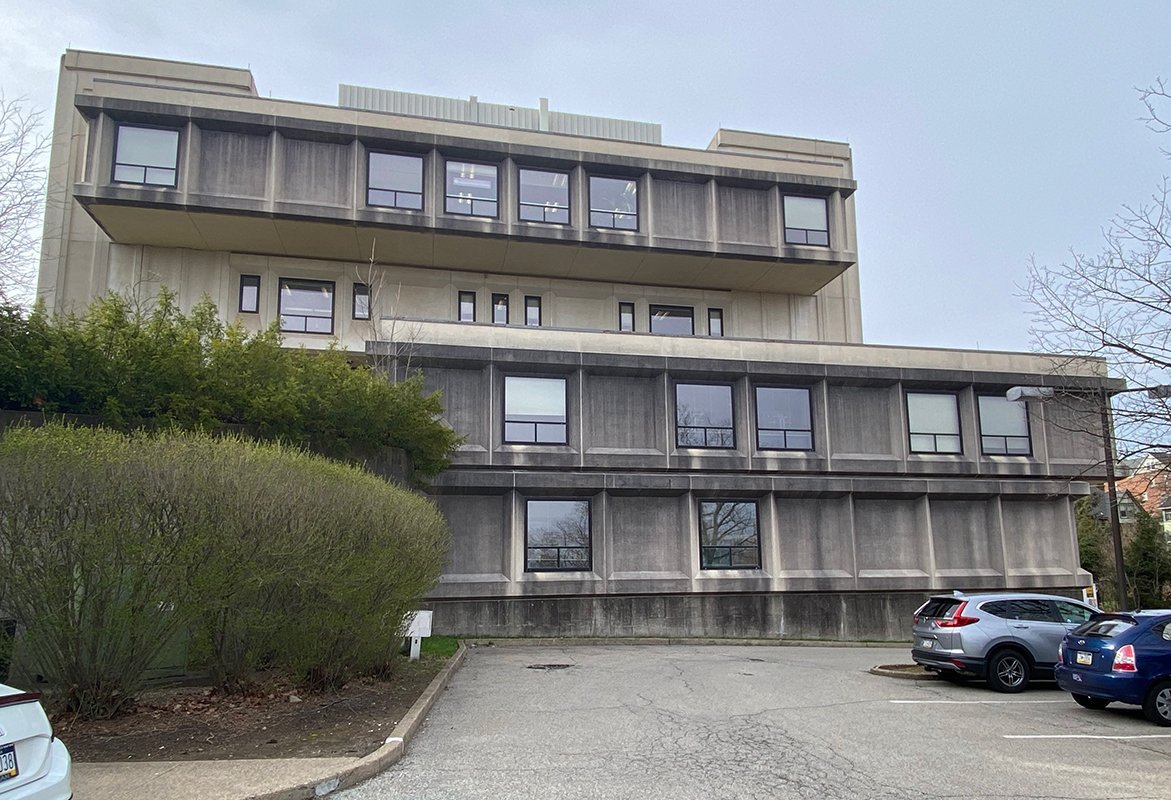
x=275, y=721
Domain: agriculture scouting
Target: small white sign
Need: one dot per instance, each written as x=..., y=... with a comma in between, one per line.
x=419, y=624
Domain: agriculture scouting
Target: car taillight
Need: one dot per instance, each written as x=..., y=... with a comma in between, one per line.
x=957, y=620
x=1124, y=660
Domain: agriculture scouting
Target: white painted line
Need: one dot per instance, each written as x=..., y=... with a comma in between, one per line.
x=974, y=702
x=1087, y=736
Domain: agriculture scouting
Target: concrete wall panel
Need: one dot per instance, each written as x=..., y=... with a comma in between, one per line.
x=745, y=216
x=233, y=164
x=1039, y=541
x=816, y=542
x=860, y=420
x=650, y=537
x=890, y=535
x=967, y=543
x=315, y=172
x=681, y=210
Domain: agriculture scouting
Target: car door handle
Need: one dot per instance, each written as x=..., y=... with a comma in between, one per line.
x=1026, y=627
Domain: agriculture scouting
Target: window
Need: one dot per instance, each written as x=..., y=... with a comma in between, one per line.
x=703, y=416
x=249, y=294
x=673, y=320
x=395, y=181
x=1004, y=427
x=614, y=203
x=544, y=196
x=361, y=301
x=534, y=410
x=1072, y=613
x=499, y=309
x=715, y=322
x=626, y=317
x=467, y=306
x=532, y=311
x=149, y=156
x=728, y=535
x=933, y=422
x=471, y=189
x=557, y=535
x=306, y=306
x=806, y=221
x=783, y=419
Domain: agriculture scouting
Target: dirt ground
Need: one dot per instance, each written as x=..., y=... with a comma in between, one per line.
x=194, y=723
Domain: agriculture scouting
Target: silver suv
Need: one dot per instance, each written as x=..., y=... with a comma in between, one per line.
x=1007, y=639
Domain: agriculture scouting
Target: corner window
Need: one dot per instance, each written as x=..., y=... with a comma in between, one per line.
x=544, y=196
x=148, y=156
x=395, y=181
x=534, y=410
x=626, y=317
x=614, y=203
x=361, y=301
x=1004, y=427
x=306, y=306
x=532, y=311
x=249, y=294
x=467, y=306
x=715, y=322
x=783, y=419
x=729, y=537
x=471, y=189
x=703, y=416
x=806, y=221
x=557, y=535
x=499, y=309
x=673, y=320
x=933, y=423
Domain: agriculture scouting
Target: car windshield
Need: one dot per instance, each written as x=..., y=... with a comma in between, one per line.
x=1106, y=627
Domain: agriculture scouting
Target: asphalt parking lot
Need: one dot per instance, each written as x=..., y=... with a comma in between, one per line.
x=759, y=722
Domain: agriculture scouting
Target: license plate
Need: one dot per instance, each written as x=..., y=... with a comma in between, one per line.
x=8, y=762
x=1084, y=657
x=926, y=644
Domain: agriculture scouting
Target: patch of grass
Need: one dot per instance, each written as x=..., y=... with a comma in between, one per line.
x=441, y=646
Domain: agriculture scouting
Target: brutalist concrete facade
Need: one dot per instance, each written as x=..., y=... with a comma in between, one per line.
x=750, y=242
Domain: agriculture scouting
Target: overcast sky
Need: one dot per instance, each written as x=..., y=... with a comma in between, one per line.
x=983, y=133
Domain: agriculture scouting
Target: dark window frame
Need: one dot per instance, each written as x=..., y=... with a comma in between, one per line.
x=422, y=194
x=448, y=197
x=934, y=436
x=706, y=428
x=806, y=231
x=589, y=532
x=590, y=210
x=249, y=281
x=505, y=422
x=651, y=326
x=115, y=163
x=716, y=314
x=567, y=208
x=980, y=430
x=497, y=297
x=461, y=295
x=622, y=308
x=784, y=431
x=529, y=303
x=703, y=564
x=354, y=295
x=332, y=306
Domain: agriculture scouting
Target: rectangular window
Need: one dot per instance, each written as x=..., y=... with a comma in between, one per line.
x=783, y=418
x=715, y=322
x=729, y=537
x=395, y=181
x=933, y=423
x=499, y=309
x=467, y=306
x=806, y=221
x=471, y=189
x=544, y=196
x=361, y=301
x=1004, y=427
x=534, y=410
x=703, y=416
x=626, y=317
x=557, y=535
x=149, y=156
x=532, y=311
x=673, y=320
x=249, y=294
x=306, y=306
x=614, y=203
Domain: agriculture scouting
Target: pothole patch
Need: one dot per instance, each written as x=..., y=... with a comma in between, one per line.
x=549, y=667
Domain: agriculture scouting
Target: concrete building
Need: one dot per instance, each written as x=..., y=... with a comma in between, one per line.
x=654, y=352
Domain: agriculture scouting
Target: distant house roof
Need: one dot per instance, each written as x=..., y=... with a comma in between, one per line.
x=1127, y=504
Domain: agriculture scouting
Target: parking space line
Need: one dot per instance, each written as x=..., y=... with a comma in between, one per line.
x=973, y=702
x=1086, y=736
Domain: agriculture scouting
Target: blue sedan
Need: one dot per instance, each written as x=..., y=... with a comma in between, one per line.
x=1122, y=657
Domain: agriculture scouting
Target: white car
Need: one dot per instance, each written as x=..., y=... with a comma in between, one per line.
x=34, y=764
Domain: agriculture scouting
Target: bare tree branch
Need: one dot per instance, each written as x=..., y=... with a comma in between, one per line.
x=23, y=147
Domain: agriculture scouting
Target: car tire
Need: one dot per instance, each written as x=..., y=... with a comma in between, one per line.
x=1092, y=703
x=1157, y=706
x=1008, y=671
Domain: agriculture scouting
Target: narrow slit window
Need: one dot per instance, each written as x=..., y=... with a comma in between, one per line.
x=626, y=317
x=499, y=309
x=361, y=301
x=533, y=311
x=715, y=322
x=249, y=294
x=467, y=306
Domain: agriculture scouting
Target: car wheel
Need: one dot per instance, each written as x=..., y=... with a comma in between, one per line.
x=1158, y=704
x=1008, y=671
x=1093, y=703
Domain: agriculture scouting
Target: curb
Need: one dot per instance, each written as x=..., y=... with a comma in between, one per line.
x=898, y=671
x=570, y=641
x=384, y=757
